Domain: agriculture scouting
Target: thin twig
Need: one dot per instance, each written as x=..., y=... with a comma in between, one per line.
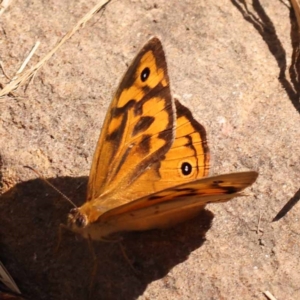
x=269, y=295
x=7, y=280
x=296, y=7
x=3, y=70
x=258, y=229
x=4, y=5
x=27, y=59
x=288, y=206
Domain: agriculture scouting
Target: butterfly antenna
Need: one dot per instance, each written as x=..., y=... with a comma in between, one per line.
x=49, y=183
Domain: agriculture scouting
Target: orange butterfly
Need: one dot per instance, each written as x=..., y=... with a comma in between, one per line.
x=150, y=160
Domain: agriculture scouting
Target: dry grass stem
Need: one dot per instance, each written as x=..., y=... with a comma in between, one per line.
x=3, y=70
x=27, y=59
x=269, y=295
x=21, y=78
x=4, y=5
x=7, y=280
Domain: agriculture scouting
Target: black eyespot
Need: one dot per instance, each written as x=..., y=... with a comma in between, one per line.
x=145, y=74
x=186, y=168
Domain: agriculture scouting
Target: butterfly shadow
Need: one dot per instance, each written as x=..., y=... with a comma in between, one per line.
x=31, y=213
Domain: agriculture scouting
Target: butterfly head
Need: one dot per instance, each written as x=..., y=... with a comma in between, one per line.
x=84, y=221
x=77, y=220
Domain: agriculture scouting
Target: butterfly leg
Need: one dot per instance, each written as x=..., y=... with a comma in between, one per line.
x=111, y=239
x=95, y=265
x=135, y=271
x=60, y=228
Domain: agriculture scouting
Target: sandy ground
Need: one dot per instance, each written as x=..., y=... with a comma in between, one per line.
x=231, y=68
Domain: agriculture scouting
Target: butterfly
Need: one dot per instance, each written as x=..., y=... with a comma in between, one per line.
x=151, y=161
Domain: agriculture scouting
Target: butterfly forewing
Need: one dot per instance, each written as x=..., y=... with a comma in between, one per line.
x=139, y=126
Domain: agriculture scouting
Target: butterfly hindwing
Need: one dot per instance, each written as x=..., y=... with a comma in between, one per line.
x=187, y=159
x=196, y=193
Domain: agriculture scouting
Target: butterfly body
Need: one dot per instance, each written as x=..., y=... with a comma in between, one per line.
x=151, y=159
